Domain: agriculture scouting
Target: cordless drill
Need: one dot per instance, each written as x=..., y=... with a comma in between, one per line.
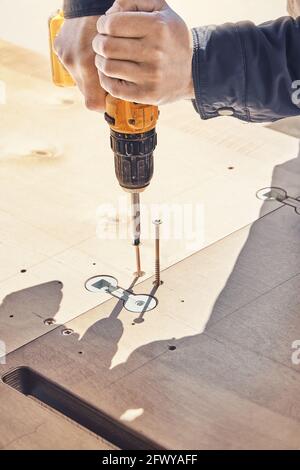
x=133, y=136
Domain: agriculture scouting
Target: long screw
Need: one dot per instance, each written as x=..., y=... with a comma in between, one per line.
x=157, y=281
x=139, y=272
x=136, y=219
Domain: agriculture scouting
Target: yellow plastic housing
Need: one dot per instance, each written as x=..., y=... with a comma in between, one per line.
x=60, y=75
x=124, y=117
x=131, y=118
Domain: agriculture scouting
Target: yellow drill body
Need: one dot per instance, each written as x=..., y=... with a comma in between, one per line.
x=133, y=134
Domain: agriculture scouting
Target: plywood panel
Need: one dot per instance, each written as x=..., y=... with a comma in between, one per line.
x=211, y=395
x=58, y=171
x=205, y=394
x=227, y=388
x=27, y=425
x=270, y=325
x=184, y=388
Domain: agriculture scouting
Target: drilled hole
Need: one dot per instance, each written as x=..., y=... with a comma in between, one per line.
x=23, y=271
x=49, y=321
x=231, y=168
x=80, y=352
x=11, y=316
x=41, y=153
x=172, y=348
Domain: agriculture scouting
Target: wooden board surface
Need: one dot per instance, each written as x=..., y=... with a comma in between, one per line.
x=25, y=425
x=57, y=171
x=233, y=386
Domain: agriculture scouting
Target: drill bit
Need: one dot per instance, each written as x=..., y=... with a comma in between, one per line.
x=136, y=221
x=157, y=281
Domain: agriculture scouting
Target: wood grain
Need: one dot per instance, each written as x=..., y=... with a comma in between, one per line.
x=221, y=389
x=59, y=170
x=26, y=425
x=232, y=387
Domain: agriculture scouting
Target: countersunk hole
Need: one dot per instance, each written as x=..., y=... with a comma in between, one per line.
x=41, y=153
x=49, y=321
x=67, y=332
x=23, y=271
x=172, y=348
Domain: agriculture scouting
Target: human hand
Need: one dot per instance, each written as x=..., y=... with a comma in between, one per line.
x=74, y=48
x=294, y=8
x=144, y=52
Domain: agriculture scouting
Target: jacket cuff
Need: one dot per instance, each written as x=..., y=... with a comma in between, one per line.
x=219, y=72
x=78, y=8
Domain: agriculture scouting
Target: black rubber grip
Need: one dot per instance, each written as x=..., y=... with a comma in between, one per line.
x=134, y=158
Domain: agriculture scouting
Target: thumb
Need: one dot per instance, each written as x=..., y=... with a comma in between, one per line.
x=137, y=5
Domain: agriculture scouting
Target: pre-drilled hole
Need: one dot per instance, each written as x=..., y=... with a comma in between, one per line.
x=49, y=321
x=11, y=316
x=231, y=168
x=23, y=271
x=172, y=348
x=41, y=153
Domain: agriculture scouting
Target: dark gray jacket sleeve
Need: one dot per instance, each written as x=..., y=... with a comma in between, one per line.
x=248, y=71
x=76, y=8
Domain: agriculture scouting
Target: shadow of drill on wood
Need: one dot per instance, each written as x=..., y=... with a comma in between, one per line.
x=270, y=256
x=120, y=304
x=221, y=358
x=269, y=237
x=140, y=319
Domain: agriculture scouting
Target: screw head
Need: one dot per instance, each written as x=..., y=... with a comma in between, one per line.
x=157, y=222
x=67, y=332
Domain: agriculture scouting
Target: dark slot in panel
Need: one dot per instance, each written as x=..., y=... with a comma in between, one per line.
x=32, y=384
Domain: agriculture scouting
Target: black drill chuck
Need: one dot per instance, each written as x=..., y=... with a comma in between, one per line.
x=134, y=158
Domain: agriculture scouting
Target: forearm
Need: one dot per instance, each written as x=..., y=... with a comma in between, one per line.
x=78, y=8
x=247, y=71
